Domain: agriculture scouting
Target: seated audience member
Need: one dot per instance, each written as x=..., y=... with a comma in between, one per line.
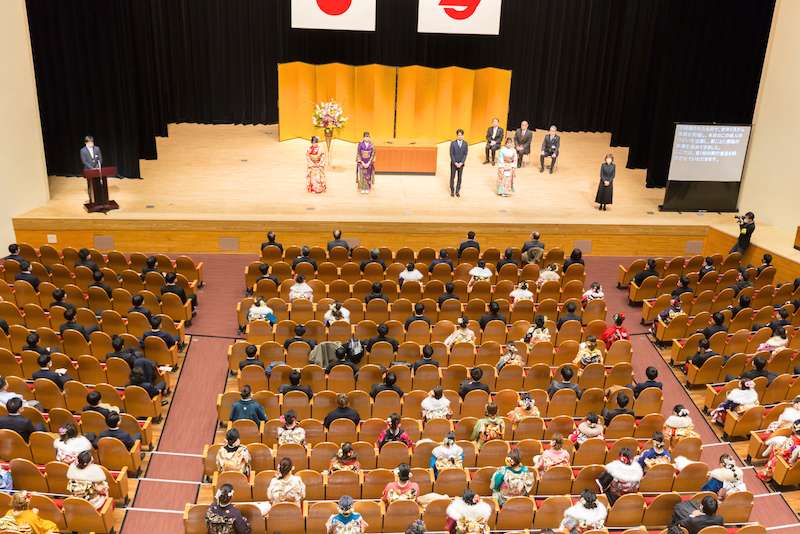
x=259, y=311
x=402, y=489
x=702, y=355
x=342, y=411
x=251, y=357
x=520, y=294
x=233, y=456
x=26, y=275
x=590, y=428
x=779, y=340
x=537, y=333
x=585, y=515
x=247, y=408
x=666, y=316
x=138, y=301
x=59, y=377
x=570, y=316
x=510, y=356
x=679, y=425
x=23, y=518
x=553, y=456
x=345, y=460
x=462, y=334
x=222, y=516
x=6, y=396
x=381, y=337
x=651, y=270
x=474, y=384
x=533, y=243
x=291, y=431
x=490, y=428
x=393, y=432
x=150, y=267
x=374, y=257
x=683, y=287
x=742, y=283
x=708, y=267
x=507, y=259
x=155, y=325
x=338, y=241
x=479, y=273
x=294, y=385
x=137, y=378
x=98, y=282
x=469, y=243
x=33, y=345
x=442, y=259
x=172, y=287
x=566, y=376
x=285, y=486
x=449, y=288
x=17, y=422
x=710, y=330
x=615, y=332
x=622, y=402
x=588, y=354
x=377, y=293
x=783, y=322
x=304, y=258
x=341, y=359
x=435, y=405
x=264, y=270
x=300, y=290
x=71, y=324
x=13, y=248
x=548, y=274
x=129, y=355
x=576, y=256
x=271, y=242
x=70, y=444
x=705, y=517
x=651, y=373
x=656, y=455
x=744, y=302
x=388, y=385
x=526, y=408
x=595, y=292
x=621, y=477
x=112, y=420
x=87, y=481
x=410, y=274
x=93, y=398
x=299, y=332
x=58, y=300
x=447, y=455
x=427, y=358
x=760, y=364
x=336, y=312
x=493, y=315
x=419, y=309
x=766, y=261
x=726, y=480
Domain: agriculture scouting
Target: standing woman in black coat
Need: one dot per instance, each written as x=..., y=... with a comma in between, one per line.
x=605, y=191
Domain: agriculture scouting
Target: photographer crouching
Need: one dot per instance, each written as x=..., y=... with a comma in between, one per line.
x=746, y=229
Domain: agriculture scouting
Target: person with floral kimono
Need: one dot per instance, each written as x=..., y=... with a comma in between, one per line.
x=490, y=428
x=233, y=456
x=462, y=334
x=447, y=455
x=315, y=159
x=291, y=431
x=789, y=415
x=621, y=477
x=587, y=514
x=284, y=487
x=784, y=447
x=726, y=480
x=537, y=333
x=738, y=401
x=345, y=459
x=365, y=164
x=468, y=514
x=656, y=455
x=679, y=426
x=402, y=489
x=506, y=168
x=435, y=405
x=87, y=481
x=512, y=479
x=553, y=456
x=346, y=521
x=527, y=408
x=23, y=519
x=590, y=428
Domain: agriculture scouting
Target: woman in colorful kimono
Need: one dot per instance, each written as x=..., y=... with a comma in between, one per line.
x=594, y=292
x=291, y=431
x=738, y=401
x=393, y=432
x=87, y=481
x=435, y=405
x=784, y=447
x=527, y=408
x=365, y=164
x=315, y=158
x=336, y=312
x=490, y=428
x=725, y=480
x=21, y=518
x=588, y=429
x=587, y=514
x=520, y=293
x=345, y=459
x=622, y=476
x=588, y=354
x=553, y=456
x=679, y=425
x=401, y=489
x=506, y=168
x=479, y=273
x=346, y=521
x=70, y=444
x=779, y=341
x=787, y=417
x=537, y=333
x=510, y=357
x=657, y=455
x=462, y=334
x=300, y=289
x=548, y=274
x=615, y=332
x=224, y=518
x=468, y=514
x=512, y=479
x=233, y=457
x=285, y=487
x=448, y=455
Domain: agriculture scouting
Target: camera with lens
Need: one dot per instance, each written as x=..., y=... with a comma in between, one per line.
x=739, y=217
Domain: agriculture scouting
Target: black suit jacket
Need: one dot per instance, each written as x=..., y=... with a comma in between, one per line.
x=286, y=388
x=248, y=361
x=523, y=140
x=168, y=339
x=19, y=424
x=175, y=288
x=367, y=262
x=458, y=155
x=30, y=278
x=102, y=411
x=124, y=355
x=371, y=341
x=420, y=363
x=468, y=244
x=346, y=363
x=338, y=243
x=497, y=138
x=468, y=385
x=104, y=287
x=447, y=296
x=568, y=317
x=551, y=146
x=504, y=261
x=341, y=413
x=436, y=262
x=611, y=414
x=264, y=245
x=641, y=276
x=72, y=325
x=268, y=277
x=311, y=342
x=705, y=270
x=752, y=374
x=373, y=296
x=141, y=309
x=532, y=244
x=710, y=330
x=641, y=386
x=378, y=388
x=303, y=259
x=90, y=162
x=121, y=435
x=701, y=357
x=58, y=379
x=696, y=523
x=678, y=291
x=65, y=305
x=486, y=317
x=558, y=386
x=90, y=264
x=415, y=318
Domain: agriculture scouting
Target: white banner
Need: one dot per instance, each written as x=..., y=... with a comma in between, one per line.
x=355, y=15
x=480, y=17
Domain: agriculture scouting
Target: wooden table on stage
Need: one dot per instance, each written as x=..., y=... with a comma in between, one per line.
x=796, y=238
x=405, y=156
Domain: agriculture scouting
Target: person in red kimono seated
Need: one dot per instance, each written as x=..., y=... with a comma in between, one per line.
x=622, y=476
x=468, y=514
x=402, y=489
x=615, y=332
x=784, y=447
x=393, y=433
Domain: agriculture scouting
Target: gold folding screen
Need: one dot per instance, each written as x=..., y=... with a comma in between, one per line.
x=429, y=103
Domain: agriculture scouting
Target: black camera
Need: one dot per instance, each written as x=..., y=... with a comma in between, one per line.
x=738, y=217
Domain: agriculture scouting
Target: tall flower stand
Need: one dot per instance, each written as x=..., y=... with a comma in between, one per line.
x=328, y=141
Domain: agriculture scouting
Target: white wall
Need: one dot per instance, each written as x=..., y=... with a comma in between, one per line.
x=23, y=174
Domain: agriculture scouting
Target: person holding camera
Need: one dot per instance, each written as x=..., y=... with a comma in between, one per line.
x=746, y=229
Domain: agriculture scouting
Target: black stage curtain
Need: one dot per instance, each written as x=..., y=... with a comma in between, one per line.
x=123, y=70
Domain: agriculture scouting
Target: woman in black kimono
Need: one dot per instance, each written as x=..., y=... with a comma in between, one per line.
x=605, y=191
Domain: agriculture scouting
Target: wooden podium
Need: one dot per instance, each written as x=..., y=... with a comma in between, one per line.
x=99, y=187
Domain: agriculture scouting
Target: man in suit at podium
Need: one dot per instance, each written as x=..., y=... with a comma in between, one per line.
x=458, y=157
x=550, y=147
x=522, y=141
x=91, y=158
x=494, y=140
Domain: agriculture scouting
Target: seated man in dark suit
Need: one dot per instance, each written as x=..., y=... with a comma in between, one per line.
x=155, y=325
x=570, y=316
x=128, y=355
x=651, y=373
x=27, y=276
x=566, y=375
x=112, y=420
x=271, y=242
x=264, y=270
x=419, y=309
x=150, y=267
x=782, y=322
x=304, y=258
x=449, y=287
x=377, y=289
x=33, y=345
x=682, y=288
x=58, y=296
x=59, y=377
x=744, y=302
x=705, y=517
x=388, y=385
x=760, y=364
x=294, y=385
x=137, y=378
x=712, y=329
x=299, y=330
x=493, y=315
x=250, y=358
x=766, y=261
x=93, y=399
x=338, y=241
x=469, y=243
x=427, y=358
x=98, y=282
x=442, y=259
x=341, y=359
x=18, y=423
x=742, y=283
x=84, y=260
x=382, y=331
x=708, y=266
x=641, y=276
x=138, y=301
x=533, y=243
x=172, y=287
x=69, y=316
x=13, y=248
x=374, y=257
x=701, y=356
x=472, y=385
x=507, y=259
x=622, y=401
x=342, y=411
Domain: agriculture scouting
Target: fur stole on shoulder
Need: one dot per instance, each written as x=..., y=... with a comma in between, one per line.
x=474, y=512
x=776, y=441
x=589, y=432
x=723, y=474
x=790, y=414
x=90, y=473
x=73, y=446
x=681, y=462
x=743, y=396
x=454, y=451
x=588, y=515
x=432, y=403
x=676, y=421
x=626, y=473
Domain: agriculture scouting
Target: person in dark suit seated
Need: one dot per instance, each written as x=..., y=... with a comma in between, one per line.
x=138, y=301
x=341, y=359
x=13, y=249
x=374, y=257
x=702, y=355
x=742, y=283
x=705, y=517
x=98, y=282
x=494, y=140
x=533, y=243
x=304, y=258
x=294, y=385
x=69, y=316
x=760, y=364
x=744, y=302
x=766, y=261
x=172, y=287
x=427, y=358
x=59, y=377
x=708, y=266
x=783, y=322
x=712, y=329
x=469, y=243
x=641, y=276
x=137, y=378
x=155, y=325
x=84, y=261
x=419, y=309
x=682, y=288
x=651, y=373
x=389, y=381
x=250, y=354
x=622, y=401
x=112, y=420
x=493, y=315
x=551, y=146
x=576, y=256
x=338, y=241
x=472, y=385
x=449, y=287
x=299, y=330
x=93, y=399
x=566, y=376
x=570, y=316
x=128, y=355
x=150, y=267
x=507, y=259
x=342, y=411
x=271, y=242
x=264, y=270
x=26, y=275
x=33, y=345
x=442, y=259
x=58, y=296
x=4, y=326
x=377, y=289
x=382, y=331
x=18, y=423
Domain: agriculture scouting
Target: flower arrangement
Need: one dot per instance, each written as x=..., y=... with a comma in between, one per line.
x=328, y=116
